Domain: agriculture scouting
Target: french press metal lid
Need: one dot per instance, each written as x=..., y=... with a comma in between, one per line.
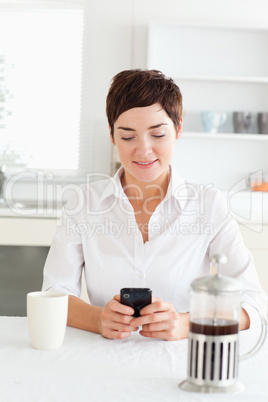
x=217, y=283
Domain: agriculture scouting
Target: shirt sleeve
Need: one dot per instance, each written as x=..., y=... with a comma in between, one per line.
x=240, y=265
x=65, y=260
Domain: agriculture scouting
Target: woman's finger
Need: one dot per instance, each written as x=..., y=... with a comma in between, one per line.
x=115, y=305
x=157, y=334
x=114, y=334
x=150, y=318
x=156, y=307
x=113, y=316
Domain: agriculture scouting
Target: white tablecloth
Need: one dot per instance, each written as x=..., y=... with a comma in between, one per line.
x=90, y=368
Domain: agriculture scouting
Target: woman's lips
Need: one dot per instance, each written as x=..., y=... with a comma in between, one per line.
x=145, y=164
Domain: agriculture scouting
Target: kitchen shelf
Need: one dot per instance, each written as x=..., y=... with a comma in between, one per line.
x=214, y=68
x=223, y=78
x=230, y=53
x=218, y=68
x=226, y=136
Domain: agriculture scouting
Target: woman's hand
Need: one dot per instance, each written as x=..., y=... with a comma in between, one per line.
x=160, y=320
x=115, y=320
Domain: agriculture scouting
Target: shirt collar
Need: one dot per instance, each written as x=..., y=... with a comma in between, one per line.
x=114, y=186
x=177, y=187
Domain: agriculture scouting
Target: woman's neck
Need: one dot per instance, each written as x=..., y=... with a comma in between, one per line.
x=145, y=191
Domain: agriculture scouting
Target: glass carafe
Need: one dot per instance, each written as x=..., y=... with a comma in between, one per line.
x=213, y=348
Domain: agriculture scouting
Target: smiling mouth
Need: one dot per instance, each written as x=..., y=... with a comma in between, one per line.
x=145, y=163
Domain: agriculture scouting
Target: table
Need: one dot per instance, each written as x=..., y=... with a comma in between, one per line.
x=90, y=368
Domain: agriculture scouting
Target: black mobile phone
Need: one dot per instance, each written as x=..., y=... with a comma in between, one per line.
x=137, y=298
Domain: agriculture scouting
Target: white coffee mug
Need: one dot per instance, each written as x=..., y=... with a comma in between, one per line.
x=47, y=318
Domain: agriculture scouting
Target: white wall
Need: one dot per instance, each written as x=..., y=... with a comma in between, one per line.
x=110, y=41
x=241, y=12
x=119, y=41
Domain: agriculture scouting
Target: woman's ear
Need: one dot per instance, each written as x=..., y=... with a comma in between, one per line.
x=179, y=129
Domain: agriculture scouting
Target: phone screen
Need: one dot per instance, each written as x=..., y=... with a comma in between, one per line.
x=137, y=298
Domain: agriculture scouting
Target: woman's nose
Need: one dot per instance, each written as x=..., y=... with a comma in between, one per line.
x=144, y=147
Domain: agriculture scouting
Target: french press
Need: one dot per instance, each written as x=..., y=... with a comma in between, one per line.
x=213, y=346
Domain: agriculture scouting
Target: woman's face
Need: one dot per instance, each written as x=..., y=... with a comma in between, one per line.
x=145, y=138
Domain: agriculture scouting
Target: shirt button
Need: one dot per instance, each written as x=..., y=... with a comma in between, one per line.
x=141, y=276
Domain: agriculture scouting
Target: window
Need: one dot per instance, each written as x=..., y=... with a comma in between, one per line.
x=41, y=75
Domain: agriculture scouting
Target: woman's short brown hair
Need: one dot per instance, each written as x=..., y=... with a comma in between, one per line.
x=140, y=88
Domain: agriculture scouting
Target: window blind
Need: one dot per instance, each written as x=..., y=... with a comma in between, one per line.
x=43, y=87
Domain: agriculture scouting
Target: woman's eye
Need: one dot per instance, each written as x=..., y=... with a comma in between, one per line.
x=158, y=133
x=158, y=136
x=127, y=138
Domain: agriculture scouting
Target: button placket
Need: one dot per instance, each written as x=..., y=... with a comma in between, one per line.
x=154, y=227
x=139, y=260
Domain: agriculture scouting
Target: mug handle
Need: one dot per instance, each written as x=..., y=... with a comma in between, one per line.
x=260, y=340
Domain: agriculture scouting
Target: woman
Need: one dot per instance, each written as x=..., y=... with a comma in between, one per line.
x=145, y=227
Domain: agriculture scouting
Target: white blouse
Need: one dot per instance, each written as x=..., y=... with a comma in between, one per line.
x=98, y=233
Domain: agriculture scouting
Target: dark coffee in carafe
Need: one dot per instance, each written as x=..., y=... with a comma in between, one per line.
x=207, y=326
